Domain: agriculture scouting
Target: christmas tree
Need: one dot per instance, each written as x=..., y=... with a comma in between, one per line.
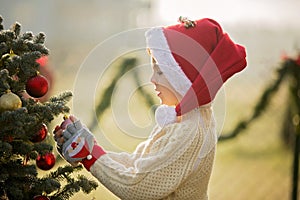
x=26, y=147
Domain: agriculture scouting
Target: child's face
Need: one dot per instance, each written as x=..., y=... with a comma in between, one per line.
x=165, y=91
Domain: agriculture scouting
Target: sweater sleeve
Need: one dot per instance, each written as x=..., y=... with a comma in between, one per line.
x=156, y=169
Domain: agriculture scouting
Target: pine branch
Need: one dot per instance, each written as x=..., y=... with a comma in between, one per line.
x=86, y=185
x=73, y=186
x=5, y=151
x=42, y=148
x=40, y=38
x=21, y=148
x=57, y=103
x=19, y=178
x=4, y=81
x=62, y=172
x=67, y=192
x=6, y=39
x=1, y=21
x=27, y=66
x=46, y=185
x=16, y=28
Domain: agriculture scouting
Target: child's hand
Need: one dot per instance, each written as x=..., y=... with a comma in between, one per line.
x=58, y=131
x=75, y=142
x=67, y=121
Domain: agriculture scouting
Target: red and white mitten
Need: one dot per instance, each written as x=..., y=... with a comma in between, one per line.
x=80, y=146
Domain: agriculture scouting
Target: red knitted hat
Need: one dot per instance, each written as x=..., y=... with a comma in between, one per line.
x=196, y=57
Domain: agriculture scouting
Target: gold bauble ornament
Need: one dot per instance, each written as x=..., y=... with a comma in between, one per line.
x=7, y=56
x=10, y=101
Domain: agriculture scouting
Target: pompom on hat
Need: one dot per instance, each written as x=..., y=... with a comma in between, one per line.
x=197, y=58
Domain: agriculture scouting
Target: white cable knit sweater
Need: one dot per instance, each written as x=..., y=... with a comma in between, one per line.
x=175, y=162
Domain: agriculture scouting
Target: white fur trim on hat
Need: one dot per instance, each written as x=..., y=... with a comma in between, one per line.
x=165, y=115
x=160, y=50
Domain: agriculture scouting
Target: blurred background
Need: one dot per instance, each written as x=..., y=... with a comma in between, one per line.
x=255, y=165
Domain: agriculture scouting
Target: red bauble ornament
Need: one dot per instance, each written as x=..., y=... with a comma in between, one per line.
x=45, y=162
x=298, y=60
x=40, y=197
x=40, y=135
x=42, y=60
x=37, y=86
x=8, y=138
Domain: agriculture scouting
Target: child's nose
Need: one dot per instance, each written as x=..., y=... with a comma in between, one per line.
x=153, y=80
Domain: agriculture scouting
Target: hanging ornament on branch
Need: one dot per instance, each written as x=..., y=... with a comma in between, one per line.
x=40, y=197
x=8, y=56
x=37, y=86
x=42, y=61
x=40, y=135
x=45, y=162
x=10, y=101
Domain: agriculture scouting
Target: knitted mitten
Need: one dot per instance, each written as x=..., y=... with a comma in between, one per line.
x=80, y=145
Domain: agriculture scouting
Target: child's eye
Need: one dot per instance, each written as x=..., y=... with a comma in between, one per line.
x=159, y=72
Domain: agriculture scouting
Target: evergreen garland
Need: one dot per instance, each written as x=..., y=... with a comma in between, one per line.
x=290, y=68
x=105, y=101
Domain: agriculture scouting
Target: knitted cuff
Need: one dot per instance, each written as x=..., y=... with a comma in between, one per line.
x=97, y=152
